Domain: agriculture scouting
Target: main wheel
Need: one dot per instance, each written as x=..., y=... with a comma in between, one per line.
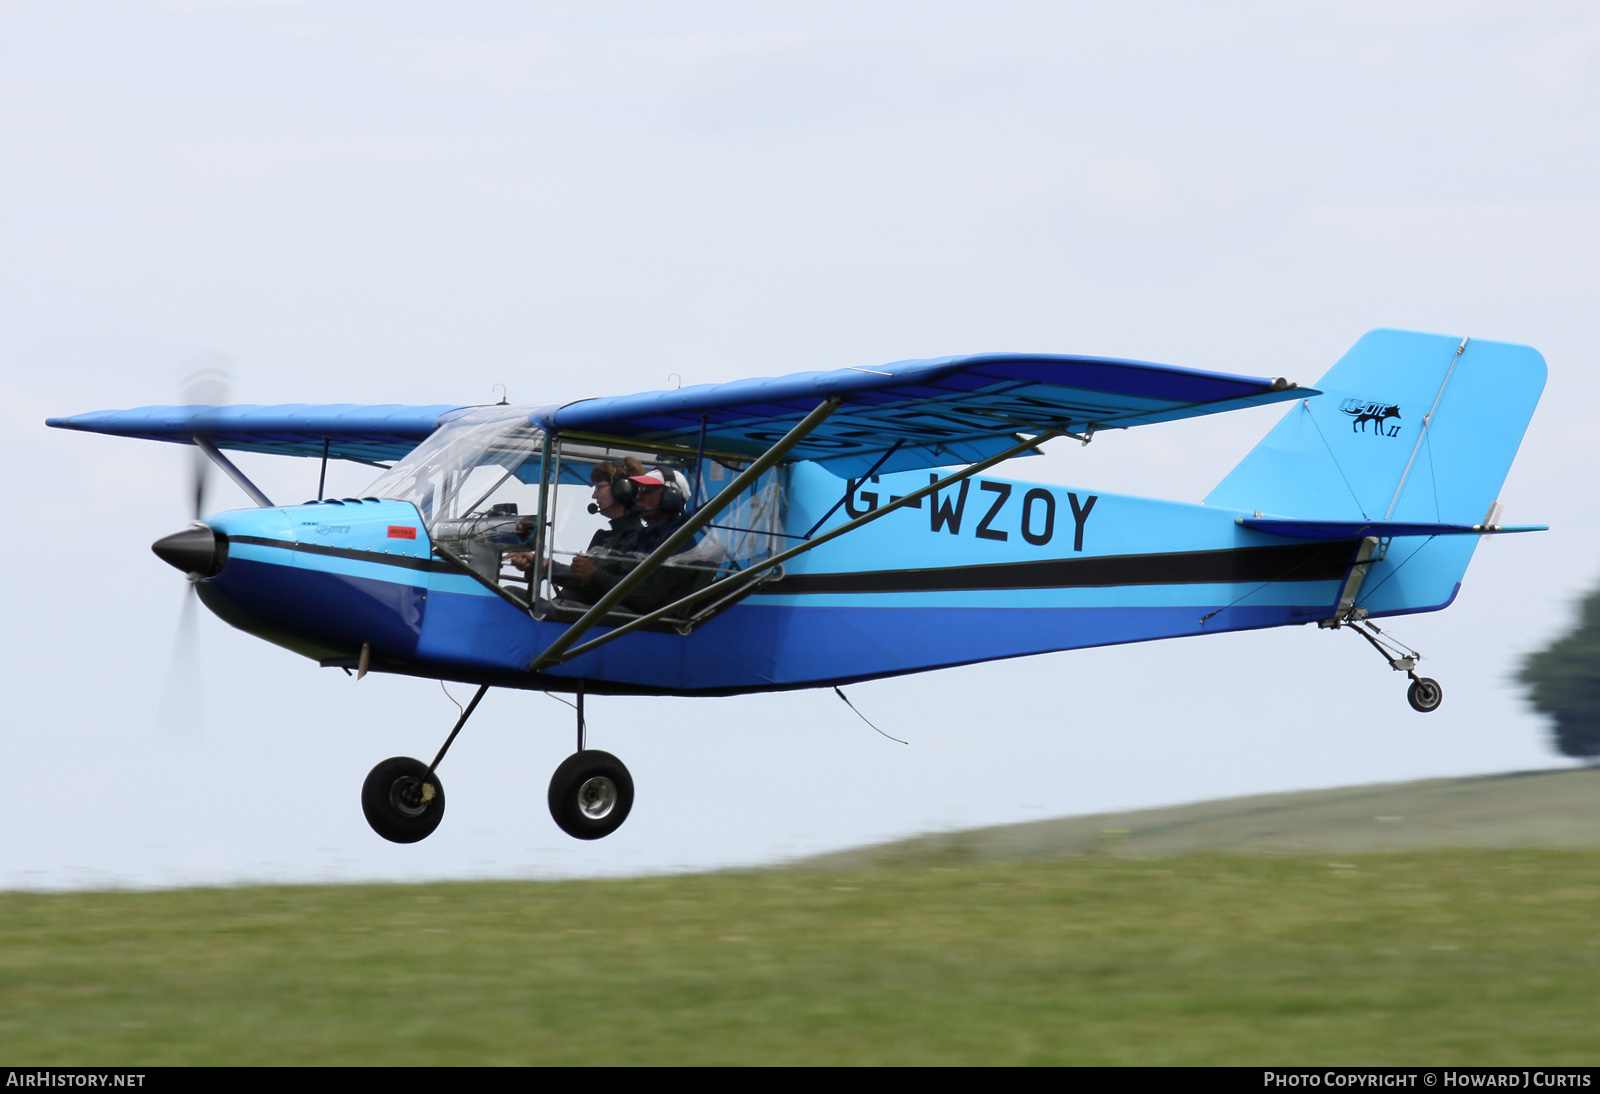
x=590, y=794
x=1424, y=695
x=399, y=805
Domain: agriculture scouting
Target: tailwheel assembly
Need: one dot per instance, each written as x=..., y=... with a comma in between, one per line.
x=1424, y=694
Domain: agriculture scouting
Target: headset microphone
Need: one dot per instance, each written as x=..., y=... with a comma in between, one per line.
x=593, y=508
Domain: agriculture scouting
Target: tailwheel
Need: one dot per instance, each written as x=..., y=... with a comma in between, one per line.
x=1424, y=694
x=590, y=794
x=403, y=803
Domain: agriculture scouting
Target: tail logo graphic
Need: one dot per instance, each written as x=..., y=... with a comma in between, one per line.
x=1361, y=412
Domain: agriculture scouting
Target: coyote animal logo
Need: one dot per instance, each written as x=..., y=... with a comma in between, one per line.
x=1362, y=412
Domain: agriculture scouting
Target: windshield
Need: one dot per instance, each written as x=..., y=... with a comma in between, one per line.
x=451, y=473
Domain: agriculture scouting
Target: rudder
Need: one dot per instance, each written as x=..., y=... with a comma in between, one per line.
x=1410, y=427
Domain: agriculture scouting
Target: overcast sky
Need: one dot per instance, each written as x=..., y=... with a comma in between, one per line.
x=415, y=202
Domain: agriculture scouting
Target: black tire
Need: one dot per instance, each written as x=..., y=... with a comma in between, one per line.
x=1424, y=695
x=392, y=798
x=590, y=794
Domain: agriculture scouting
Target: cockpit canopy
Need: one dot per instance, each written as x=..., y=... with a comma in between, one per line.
x=451, y=474
x=483, y=481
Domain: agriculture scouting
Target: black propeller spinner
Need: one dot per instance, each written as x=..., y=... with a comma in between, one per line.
x=196, y=550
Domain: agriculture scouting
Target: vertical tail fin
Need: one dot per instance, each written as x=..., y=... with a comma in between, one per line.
x=1410, y=427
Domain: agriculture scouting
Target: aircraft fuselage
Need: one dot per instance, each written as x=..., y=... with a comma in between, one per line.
x=987, y=569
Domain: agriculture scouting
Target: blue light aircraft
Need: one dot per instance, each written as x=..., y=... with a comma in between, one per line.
x=829, y=527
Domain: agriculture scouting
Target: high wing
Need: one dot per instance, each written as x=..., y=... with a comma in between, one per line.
x=940, y=412
x=352, y=431
x=932, y=413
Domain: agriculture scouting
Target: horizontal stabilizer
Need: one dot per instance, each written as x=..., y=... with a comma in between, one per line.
x=1382, y=529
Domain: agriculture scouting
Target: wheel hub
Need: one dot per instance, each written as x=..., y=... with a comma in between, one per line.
x=597, y=797
x=409, y=796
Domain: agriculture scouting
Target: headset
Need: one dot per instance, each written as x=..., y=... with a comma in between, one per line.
x=623, y=491
x=626, y=491
x=672, y=499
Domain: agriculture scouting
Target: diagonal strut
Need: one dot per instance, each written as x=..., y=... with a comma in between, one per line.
x=745, y=577
x=703, y=516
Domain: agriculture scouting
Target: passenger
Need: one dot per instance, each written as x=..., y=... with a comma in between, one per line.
x=661, y=504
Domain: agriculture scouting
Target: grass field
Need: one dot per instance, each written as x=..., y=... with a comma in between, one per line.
x=933, y=953
x=1554, y=808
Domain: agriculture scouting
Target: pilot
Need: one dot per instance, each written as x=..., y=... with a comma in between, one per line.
x=590, y=575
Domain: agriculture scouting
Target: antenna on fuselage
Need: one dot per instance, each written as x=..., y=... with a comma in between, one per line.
x=864, y=718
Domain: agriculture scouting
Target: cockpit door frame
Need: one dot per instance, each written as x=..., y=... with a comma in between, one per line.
x=745, y=481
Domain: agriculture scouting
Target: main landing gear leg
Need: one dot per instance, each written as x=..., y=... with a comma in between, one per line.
x=1424, y=694
x=403, y=798
x=591, y=792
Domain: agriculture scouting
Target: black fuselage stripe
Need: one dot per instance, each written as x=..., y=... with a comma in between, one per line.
x=407, y=562
x=1290, y=562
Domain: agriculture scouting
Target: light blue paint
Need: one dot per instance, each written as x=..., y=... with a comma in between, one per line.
x=1321, y=461
x=335, y=576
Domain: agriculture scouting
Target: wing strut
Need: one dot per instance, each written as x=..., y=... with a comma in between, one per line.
x=702, y=517
x=233, y=472
x=852, y=485
x=745, y=576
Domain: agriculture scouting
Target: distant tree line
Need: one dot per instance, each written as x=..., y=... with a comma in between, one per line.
x=1563, y=682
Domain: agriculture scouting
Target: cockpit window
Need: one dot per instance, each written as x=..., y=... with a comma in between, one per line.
x=536, y=532
x=744, y=533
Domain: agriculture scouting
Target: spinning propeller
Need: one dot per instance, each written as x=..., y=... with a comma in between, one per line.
x=192, y=550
